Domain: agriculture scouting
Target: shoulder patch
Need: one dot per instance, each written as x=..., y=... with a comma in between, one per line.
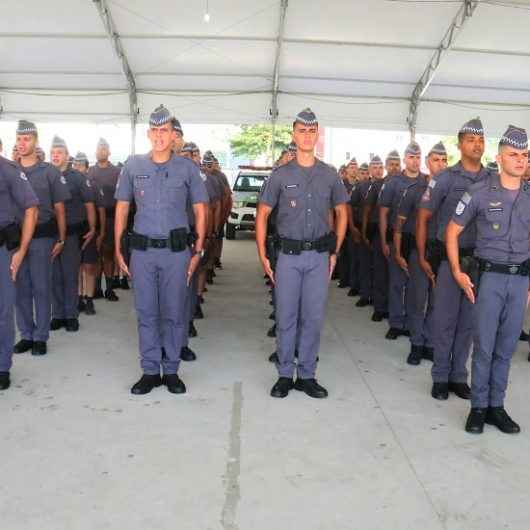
x=23, y=176
x=63, y=180
x=426, y=197
x=101, y=192
x=460, y=207
x=466, y=198
x=432, y=184
x=88, y=183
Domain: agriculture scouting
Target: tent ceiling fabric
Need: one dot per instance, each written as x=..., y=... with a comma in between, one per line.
x=355, y=62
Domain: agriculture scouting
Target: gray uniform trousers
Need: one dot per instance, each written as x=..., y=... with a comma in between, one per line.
x=397, y=287
x=65, y=266
x=498, y=317
x=452, y=329
x=190, y=304
x=354, y=266
x=380, y=288
x=34, y=284
x=420, y=303
x=159, y=280
x=302, y=283
x=366, y=265
x=7, y=312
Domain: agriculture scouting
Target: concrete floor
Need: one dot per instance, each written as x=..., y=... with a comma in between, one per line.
x=78, y=452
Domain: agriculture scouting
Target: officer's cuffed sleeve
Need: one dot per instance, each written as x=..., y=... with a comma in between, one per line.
x=58, y=186
x=435, y=193
x=197, y=189
x=270, y=193
x=339, y=195
x=88, y=193
x=21, y=190
x=124, y=187
x=466, y=209
x=386, y=195
x=406, y=204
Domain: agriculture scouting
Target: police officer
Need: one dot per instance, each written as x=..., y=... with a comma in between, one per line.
x=419, y=293
x=90, y=252
x=80, y=230
x=388, y=202
x=452, y=312
x=356, y=229
x=162, y=263
x=34, y=283
x=305, y=190
x=104, y=176
x=372, y=238
x=499, y=209
x=15, y=192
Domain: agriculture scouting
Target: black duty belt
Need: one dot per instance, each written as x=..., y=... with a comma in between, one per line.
x=179, y=239
x=326, y=243
x=47, y=229
x=77, y=229
x=522, y=269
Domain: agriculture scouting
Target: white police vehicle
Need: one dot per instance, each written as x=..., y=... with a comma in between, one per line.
x=246, y=189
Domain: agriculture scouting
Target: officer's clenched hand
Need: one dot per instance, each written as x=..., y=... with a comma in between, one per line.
x=332, y=264
x=465, y=283
x=356, y=235
x=402, y=262
x=192, y=267
x=427, y=269
x=266, y=264
x=121, y=264
x=386, y=249
x=16, y=261
x=87, y=238
x=57, y=249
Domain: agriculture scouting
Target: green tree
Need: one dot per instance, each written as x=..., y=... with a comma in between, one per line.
x=254, y=141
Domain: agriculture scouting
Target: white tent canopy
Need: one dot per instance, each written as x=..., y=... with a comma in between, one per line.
x=357, y=63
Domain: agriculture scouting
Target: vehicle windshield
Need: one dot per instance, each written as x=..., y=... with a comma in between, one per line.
x=249, y=182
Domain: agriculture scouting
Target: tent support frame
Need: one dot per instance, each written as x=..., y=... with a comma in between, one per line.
x=112, y=32
x=464, y=13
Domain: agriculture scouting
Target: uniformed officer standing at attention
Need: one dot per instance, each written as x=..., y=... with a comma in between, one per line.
x=15, y=193
x=80, y=230
x=420, y=299
x=90, y=253
x=162, y=263
x=104, y=176
x=372, y=238
x=34, y=283
x=499, y=207
x=388, y=202
x=452, y=312
x=305, y=190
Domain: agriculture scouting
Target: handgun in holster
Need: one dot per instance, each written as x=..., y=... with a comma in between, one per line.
x=434, y=254
x=10, y=235
x=178, y=239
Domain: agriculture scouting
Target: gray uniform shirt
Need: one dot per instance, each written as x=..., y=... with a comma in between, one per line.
x=49, y=186
x=81, y=192
x=304, y=197
x=370, y=199
x=501, y=218
x=162, y=193
x=392, y=192
x=104, y=180
x=16, y=193
x=442, y=196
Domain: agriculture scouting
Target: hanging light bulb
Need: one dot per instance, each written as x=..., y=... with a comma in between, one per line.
x=207, y=13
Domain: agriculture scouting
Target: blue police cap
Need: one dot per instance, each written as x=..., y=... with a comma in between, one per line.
x=160, y=116
x=57, y=141
x=438, y=149
x=393, y=155
x=26, y=127
x=376, y=161
x=306, y=117
x=514, y=137
x=413, y=149
x=473, y=126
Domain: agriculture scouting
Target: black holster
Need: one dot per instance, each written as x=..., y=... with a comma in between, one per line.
x=389, y=235
x=125, y=244
x=136, y=241
x=10, y=236
x=272, y=249
x=434, y=254
x=471, y=266
x=178, y=239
